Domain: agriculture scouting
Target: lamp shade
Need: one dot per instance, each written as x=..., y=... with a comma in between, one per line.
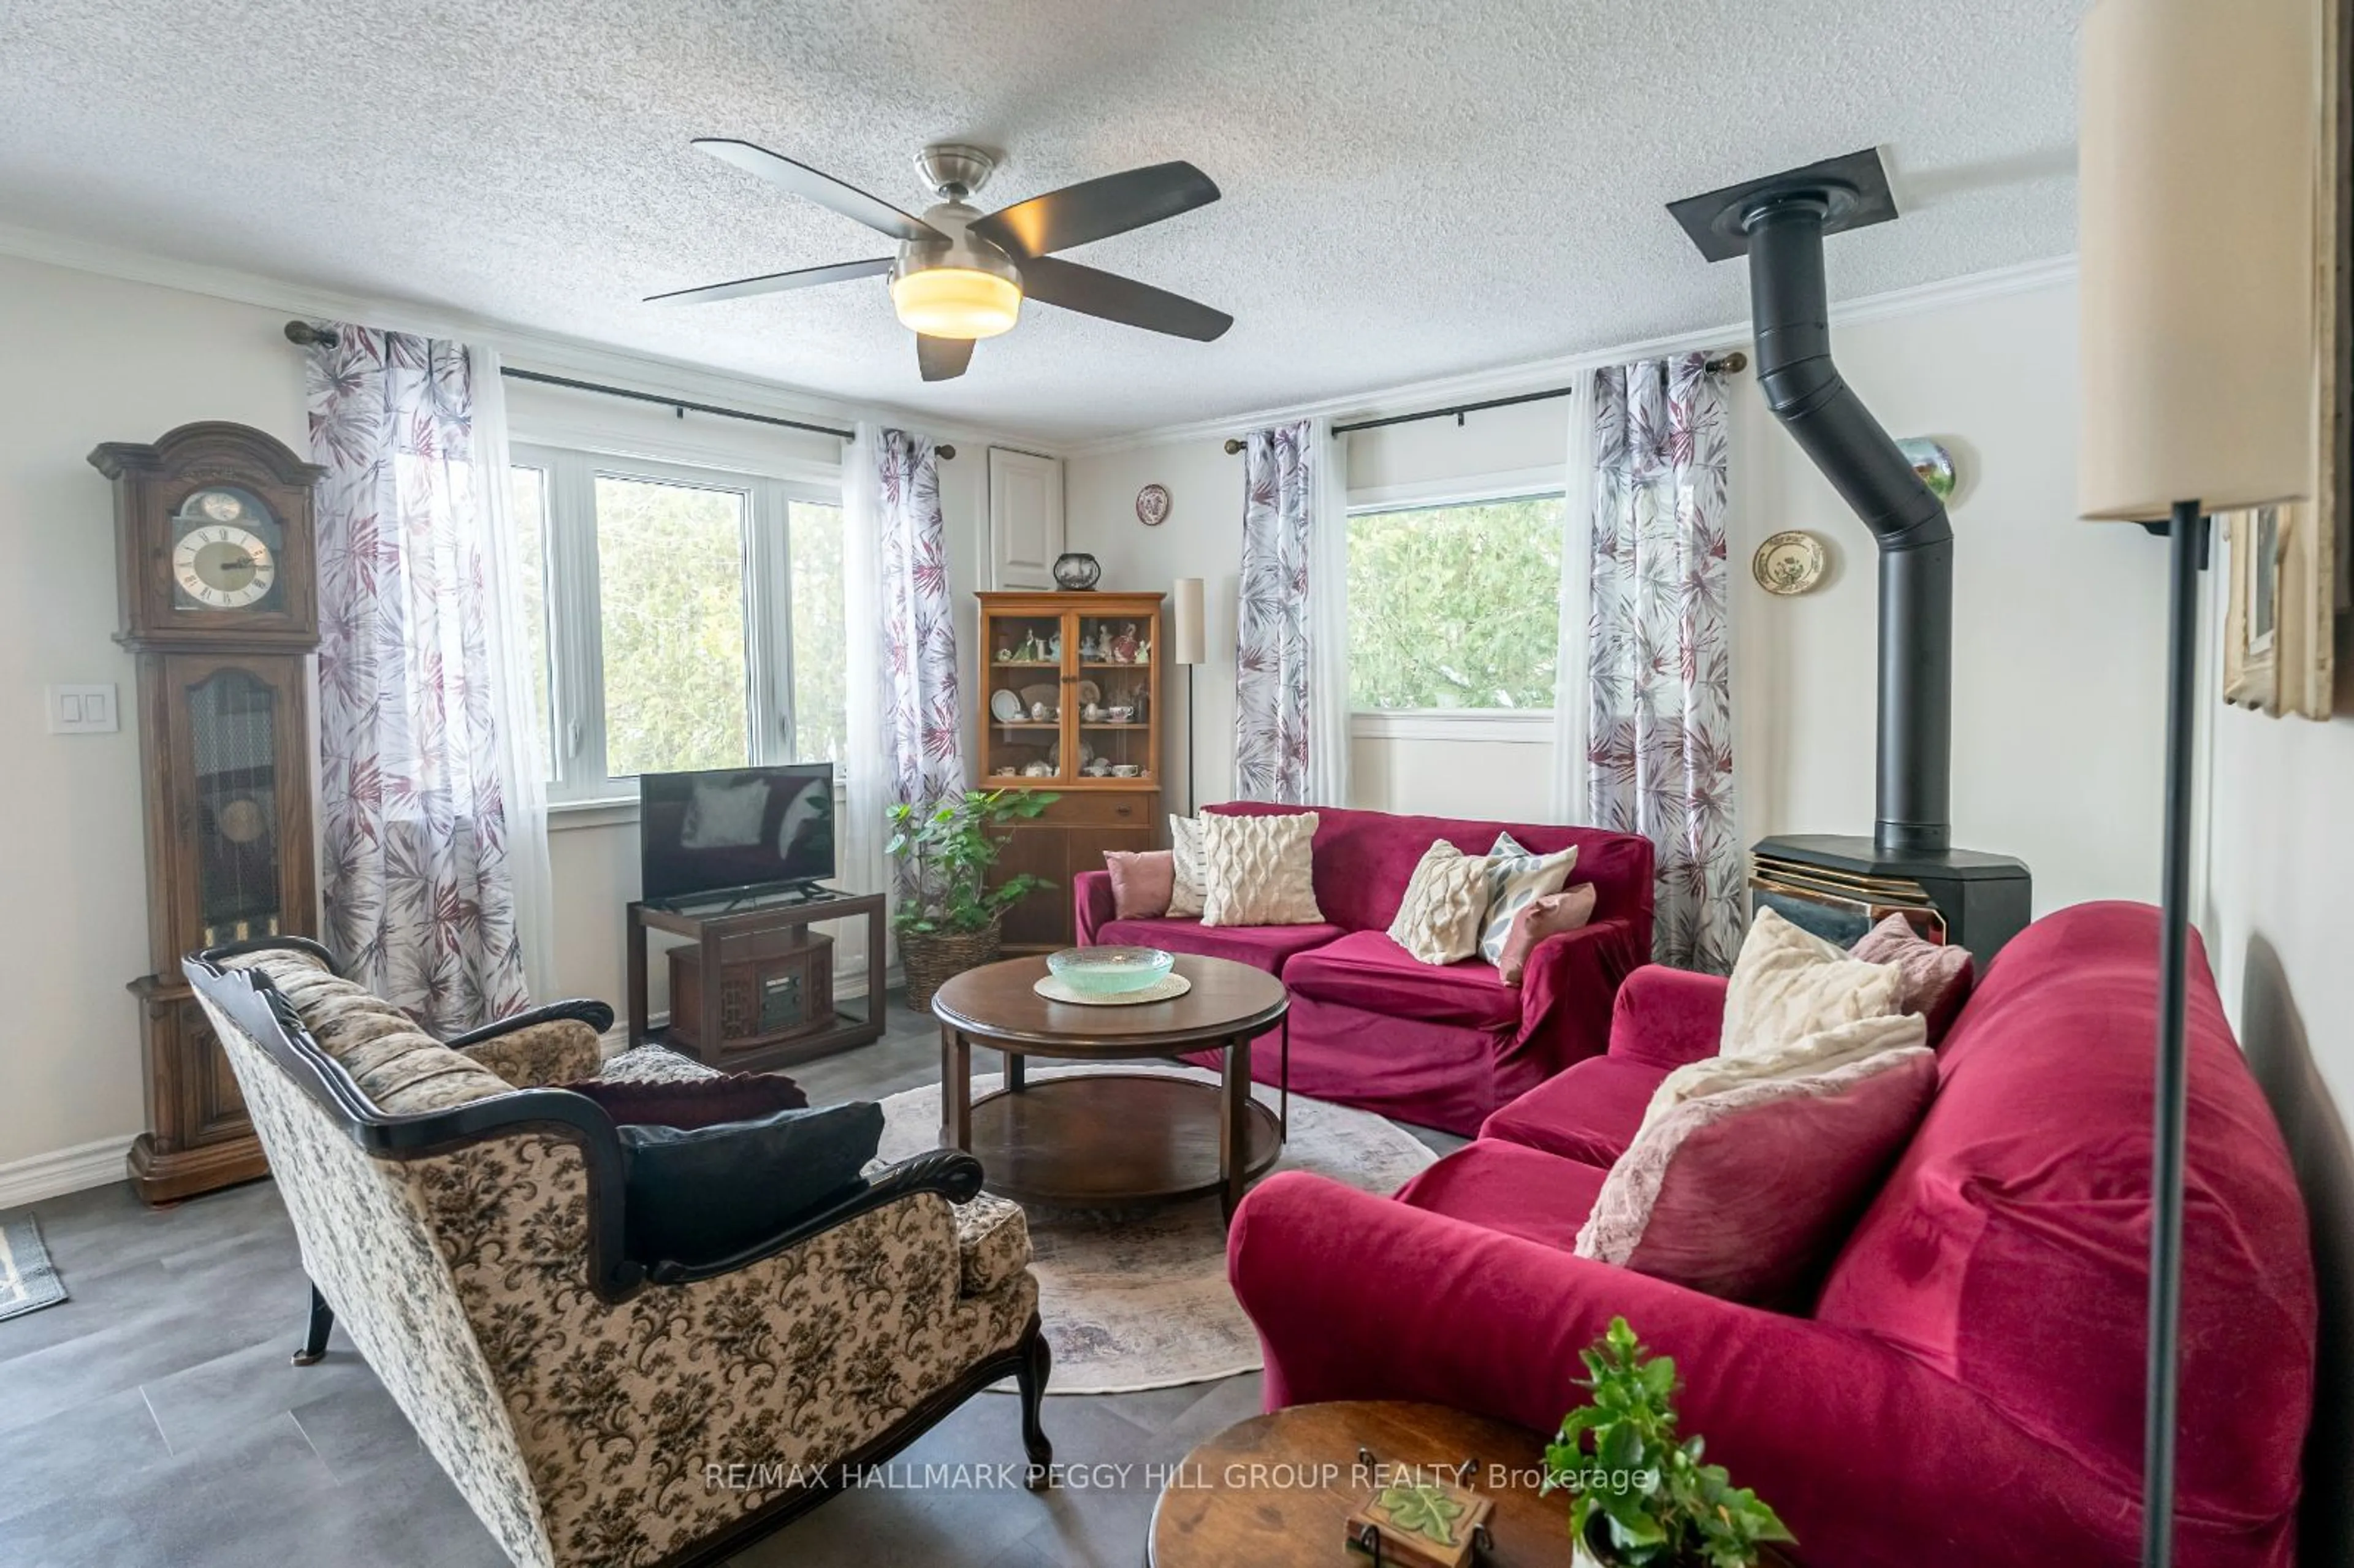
x=2197, y=254
x=1185, y=631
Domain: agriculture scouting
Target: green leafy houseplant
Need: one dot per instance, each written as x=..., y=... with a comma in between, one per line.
x=1642, y=1495
x=950, y=851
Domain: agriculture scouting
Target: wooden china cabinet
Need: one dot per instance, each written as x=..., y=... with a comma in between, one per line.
x=214, y=546
x=1070, y=703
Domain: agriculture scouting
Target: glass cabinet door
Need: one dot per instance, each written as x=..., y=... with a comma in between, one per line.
x=1113, y=696
x=1024, y=690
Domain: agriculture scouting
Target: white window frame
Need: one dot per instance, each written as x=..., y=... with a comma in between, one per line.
x=1531, y=727
x=573, y=596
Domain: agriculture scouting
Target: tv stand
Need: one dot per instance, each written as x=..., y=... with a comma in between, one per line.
x=741, y=921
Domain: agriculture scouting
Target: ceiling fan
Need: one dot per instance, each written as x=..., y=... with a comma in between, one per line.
x=959, y=275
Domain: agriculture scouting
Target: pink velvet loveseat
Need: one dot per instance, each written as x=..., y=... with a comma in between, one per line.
x=1967, y=1389
x=1371, y=1025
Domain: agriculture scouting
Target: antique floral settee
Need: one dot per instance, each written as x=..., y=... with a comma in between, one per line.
x=464, y=1223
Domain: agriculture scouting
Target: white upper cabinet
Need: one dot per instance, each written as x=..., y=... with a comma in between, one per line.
x=1025, y=518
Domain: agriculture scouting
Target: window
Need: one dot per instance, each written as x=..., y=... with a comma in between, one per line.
x=677, y=618
x=1455, y=606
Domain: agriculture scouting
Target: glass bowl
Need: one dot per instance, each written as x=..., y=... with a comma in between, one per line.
x=1108, y=972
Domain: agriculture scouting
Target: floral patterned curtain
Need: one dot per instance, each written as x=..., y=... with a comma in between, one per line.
x=414, y=827
x=1660, y=743
x=922, y=726
x=1271, y=655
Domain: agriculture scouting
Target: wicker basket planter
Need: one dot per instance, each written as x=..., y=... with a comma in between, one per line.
x=928, y=959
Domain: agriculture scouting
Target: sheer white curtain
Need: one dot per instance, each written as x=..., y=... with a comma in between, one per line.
x=523, y=772
x=1327, y=616
x=867, y=787
x=1568, y=784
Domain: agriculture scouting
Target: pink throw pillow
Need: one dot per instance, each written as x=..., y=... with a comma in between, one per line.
x=1549, y=916
x=1142, y=883
x=1746, y=1194
x=1934, y=978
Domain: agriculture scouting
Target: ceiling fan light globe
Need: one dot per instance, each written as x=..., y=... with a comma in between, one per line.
x=956, y=301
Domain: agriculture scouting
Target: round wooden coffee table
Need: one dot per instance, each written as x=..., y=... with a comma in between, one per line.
x=1103, y=1139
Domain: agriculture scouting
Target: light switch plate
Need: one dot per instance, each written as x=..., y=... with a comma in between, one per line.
x=83, y=710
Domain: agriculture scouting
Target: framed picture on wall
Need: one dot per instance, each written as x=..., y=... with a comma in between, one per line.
x=2290, y=571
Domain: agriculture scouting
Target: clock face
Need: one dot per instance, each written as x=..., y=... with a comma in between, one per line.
x=222, y=565
x=225, y=551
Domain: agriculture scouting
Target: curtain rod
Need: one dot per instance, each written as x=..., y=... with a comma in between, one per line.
x=307, y=335
x=1727, y=364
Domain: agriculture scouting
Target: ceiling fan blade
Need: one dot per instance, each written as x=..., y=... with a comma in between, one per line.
x=1117, y=299
x=821, y=189
x=772, y=282
x=942, y=358
x=1094, y=209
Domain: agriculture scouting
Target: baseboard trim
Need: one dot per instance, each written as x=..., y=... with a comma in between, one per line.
x=64, y=1171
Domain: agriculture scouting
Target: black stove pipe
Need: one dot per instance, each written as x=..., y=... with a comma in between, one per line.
x=1791, y=308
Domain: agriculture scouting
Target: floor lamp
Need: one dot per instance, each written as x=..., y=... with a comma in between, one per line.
x=1187, y=642
x=2196, y=261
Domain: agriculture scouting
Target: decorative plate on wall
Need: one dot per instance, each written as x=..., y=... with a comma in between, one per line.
x=1153, y=505
x=1788, y=562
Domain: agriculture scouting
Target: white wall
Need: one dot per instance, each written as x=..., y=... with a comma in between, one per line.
x=2060, y=626
x=89, y=360
x=93, y=359
x=2279, y=867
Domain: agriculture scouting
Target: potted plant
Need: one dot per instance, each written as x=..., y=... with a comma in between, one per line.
x=949, y=916
x=1642, y=1495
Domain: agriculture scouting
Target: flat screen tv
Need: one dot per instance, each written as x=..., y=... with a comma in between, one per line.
x=735, y=831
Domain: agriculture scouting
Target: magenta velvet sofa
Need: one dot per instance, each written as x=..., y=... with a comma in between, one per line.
x=1371, y=1025
x=1967, y=1387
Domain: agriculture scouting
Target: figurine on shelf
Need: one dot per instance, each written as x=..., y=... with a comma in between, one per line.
x=1124, y=646
x=1054, y=648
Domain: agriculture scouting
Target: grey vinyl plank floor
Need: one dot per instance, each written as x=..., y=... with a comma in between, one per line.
x=154, y=1421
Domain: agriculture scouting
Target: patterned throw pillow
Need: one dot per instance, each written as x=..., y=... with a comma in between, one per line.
x=1258, y=871
x=1568, y=910
x=1185, y=867
x=1748, y=1194
x=1439, y=919
x=1514, y=877
x=1937, y=976
x=1787, y=983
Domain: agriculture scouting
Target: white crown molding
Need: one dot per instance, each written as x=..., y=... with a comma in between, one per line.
x=1506, y=380
x=524, y=347
x=63, y=1170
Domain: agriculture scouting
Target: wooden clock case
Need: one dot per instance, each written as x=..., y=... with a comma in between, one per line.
x=230, y=848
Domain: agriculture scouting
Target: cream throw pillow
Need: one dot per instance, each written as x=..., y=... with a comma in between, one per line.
x=1257, y=871
x=1809, y=1055
x=1517, y=878
x=1439, y=919
x=1787, y=984
x=1185, y=862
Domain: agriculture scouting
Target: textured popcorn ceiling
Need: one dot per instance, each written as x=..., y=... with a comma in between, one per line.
x=1413, y=188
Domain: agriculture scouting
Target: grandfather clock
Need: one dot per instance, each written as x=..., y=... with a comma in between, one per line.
x=219, y=589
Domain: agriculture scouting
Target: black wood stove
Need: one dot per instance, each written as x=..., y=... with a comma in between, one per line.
x=1840, y=886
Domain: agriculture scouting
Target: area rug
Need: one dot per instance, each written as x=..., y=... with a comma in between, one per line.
x=28, y=1280
x=1137, y=1298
